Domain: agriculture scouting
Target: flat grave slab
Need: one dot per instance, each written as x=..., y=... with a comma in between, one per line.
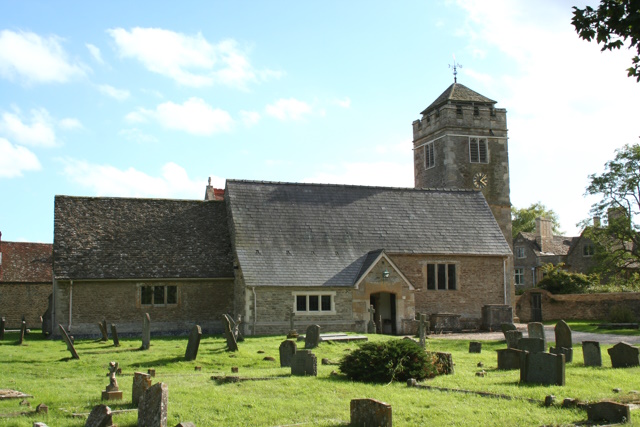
x=13, y=394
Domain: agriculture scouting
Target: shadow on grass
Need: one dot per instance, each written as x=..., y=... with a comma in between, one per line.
x=109, y=350
x=158, y=362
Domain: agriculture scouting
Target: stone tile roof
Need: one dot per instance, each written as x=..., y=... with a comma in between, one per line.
x=561, y=245
x=24, y=262
x=458, y=93
x=125, y=238
x=319, y=235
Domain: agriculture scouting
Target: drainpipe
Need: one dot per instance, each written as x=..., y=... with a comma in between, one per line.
x=255, y=309
x=504, y=269
x=70, y=303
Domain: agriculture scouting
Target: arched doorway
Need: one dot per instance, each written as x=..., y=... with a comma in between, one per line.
x=384, y=304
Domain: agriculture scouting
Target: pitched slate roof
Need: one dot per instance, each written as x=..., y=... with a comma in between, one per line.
x=560, y=245
x=24, y=262
x=123, y=238
x=458, y=93
x=319, y=235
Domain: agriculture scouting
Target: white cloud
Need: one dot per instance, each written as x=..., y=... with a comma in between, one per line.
x=35, y=59
x=136, y=135
x=39, y=132
x=194, y=116
x=250, y=118
x=95, y=53
x=106, y=180
x=190, y=60
x=387, y=174
x=288, y=109
x=14, y=160
x=344, y=103
x=119, y=94
x=70, y=124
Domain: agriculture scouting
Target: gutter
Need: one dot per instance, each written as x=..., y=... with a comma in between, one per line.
x=504, y=269
x=70, y=303
x=255, y=309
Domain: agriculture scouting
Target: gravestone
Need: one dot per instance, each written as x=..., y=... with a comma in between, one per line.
x=194, y=343
x=422, y=330
x=47, y=325
x=508, y=327
x=100, y=416
x=69, y=343
x=446, y=361
x=114, y=335
x=532, y=345
x=141, y=382
x=591, y=353
x=370, y=412
x=512, y=337
x=624, y=355
x=303, y=363
x=610, y=412
x=112, y=392
x=542, y=368
x=475, y=347
x=371, y=326
x=2, y=324
x=292, y=327
x=146, y=331
x=312, y=338
x=564, y=343
x=23, y=331
x=568, y=352
x=152, y=406
x=232, y=344
x=536, y=330
x=106, y=330
x=287, y=349
x=509, y=358
x=103, y=332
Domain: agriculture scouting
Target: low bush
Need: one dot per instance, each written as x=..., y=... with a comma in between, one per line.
x=558, y=281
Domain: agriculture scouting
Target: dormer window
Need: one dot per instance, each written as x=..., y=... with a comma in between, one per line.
x=478, y=150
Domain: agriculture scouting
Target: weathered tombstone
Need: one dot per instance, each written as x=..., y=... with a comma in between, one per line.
x=446, y=361
x=106, y=331
x=303, y=363
x=141, y=382
x=287, y=349
x=146, y=331
x=112, y=392
x=542, y=368
x=194, y=343
x=100, y=416
x=42, y=409
x=532, y=345
x=2, y=324
x=69, y=343
x=591, y=353
x=512, y=337
x=152, y=406
x=23, y=331
x=47, y=326
x=568, y=352
x=508, y=327
x=114, y=335
x=103, y=332
x=536, y=330
x=509, y=358
x=186, y=424
x=370, y=412
x=232, y=344
x=312, y=338
x=292, y=327
x=421, y=330
x=624, y=355
x=564, y=343
x=475, y=347
x=371, y=326
x=610, y=412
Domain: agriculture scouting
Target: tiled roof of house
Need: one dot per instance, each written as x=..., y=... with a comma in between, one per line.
x=123, y=238
x=26, y=262
x=319, y=235
x=458, y=93
x=560, y=245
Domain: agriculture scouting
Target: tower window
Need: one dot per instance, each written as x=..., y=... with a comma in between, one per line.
x=476, y=111
x=429, y=160
x=493, y=112
x=478, y=152
x=459, y=110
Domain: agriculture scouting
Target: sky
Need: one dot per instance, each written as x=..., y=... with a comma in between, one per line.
x=150, y=99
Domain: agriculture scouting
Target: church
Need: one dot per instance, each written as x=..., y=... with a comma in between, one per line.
x=323, y=254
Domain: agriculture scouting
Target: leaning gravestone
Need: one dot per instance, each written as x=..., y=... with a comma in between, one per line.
x=370, y=412
x=475, y=347
x=152, y=406
x=69, y=343
x=509, y=358
x=146, y=331
x=624, y=355
x=512, y=337
x=536, y=330
x=114, y=335
x=542, y=368
x=100, y=416
x=23, y=331
x=2, y=324
x=312, y=338
x=532, y=345
x=232, y=344
x=564, y=343
x=287, y=349
x=303, y=363
x=103, y=332
x=194, y=343
x=591, y=353
x=141, y=382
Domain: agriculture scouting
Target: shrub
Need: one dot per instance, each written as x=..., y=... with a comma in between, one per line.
x=559, y=281
x=383, y=362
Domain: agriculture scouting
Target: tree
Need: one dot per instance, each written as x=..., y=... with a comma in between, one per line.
x=612, y=24
x=525, y=219
x=617, y=241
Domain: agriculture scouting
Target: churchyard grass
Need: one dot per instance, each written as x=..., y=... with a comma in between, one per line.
x=44, y=369
x=591, y=326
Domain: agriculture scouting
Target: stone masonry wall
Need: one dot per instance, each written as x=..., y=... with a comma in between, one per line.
x=20, y=299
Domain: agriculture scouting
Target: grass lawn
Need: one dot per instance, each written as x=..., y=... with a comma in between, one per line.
x=592, y=327
x=44, y=369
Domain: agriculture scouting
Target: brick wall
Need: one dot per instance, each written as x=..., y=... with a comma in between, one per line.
x=28, y=299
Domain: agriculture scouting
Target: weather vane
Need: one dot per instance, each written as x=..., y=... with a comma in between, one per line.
x=455, y=67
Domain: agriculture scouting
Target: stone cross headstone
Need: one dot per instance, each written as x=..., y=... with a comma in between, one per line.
x=103, y=332
x=371, y=326
x=475, y=347
x=194, y=343
x=232, y=344
x=564, y=343
x=141, y=382
x=114, y=335
x=624, y=355
x=287, y=349
x=303, y=363
x=100, y=416
x=532, y=345
x=536, y=330
x=312, y=338
x=69, y=343
x=591, y=353
x=370, y=412
x=112, y=392
x=512, y=337
x=509, y=358
x=542, y=368
x=2, y=325
x=422, y=330
x=23, y=331
x=152, y=406
x=146, y=331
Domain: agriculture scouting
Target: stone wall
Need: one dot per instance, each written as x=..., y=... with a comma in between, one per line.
x=200, y=302
x=24, y=299
x=577, y=306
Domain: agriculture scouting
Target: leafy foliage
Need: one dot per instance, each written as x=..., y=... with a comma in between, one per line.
x=383, y=362
x=612, y=24
x=559, y=281
x=524, y=219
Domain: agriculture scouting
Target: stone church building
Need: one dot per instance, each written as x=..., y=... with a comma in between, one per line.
x=327, y=253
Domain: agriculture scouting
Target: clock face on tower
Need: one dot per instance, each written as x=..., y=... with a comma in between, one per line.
x=480, y=180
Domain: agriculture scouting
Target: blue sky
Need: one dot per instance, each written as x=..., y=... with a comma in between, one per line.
x=149, y=99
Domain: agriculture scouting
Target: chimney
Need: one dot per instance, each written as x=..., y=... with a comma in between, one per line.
x=213, y=193
x=596, y=221
x=544, y=234
x=616, y=215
